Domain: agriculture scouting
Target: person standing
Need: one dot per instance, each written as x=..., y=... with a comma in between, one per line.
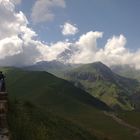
x=2, y=82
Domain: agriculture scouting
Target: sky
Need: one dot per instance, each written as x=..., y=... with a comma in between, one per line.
x=71, y=31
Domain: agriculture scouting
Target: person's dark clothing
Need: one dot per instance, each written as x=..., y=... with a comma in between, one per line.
x=2, y=76
x=2, y=82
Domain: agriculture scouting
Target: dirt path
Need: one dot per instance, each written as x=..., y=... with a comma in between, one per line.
x=122, y=122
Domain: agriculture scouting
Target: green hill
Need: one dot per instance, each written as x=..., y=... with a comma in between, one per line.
x=44, y=88
x=43, y=107
x=98, y=80
x=28, y=122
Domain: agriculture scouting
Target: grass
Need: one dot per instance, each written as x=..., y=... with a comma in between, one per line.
x=28, y=122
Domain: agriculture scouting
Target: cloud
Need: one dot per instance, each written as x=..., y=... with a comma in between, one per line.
x=42, y=10
x=135, y=59
x=7, y=43
x=114, y=51
x=19, y=46
x=16, y=1
x=53, y=50
x=69, y=29
x=86, y=50
x=87, y=47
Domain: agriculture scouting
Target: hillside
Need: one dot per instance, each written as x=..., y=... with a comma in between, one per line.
x=41, y=102
x=98, y=80
x=34, y=85
x=126, y=71
x=28, y=122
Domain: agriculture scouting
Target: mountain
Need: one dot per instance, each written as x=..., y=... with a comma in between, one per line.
x=129, y=72
x=66, y=55
x=98, y=80
x=42, y=106
x=50, y=66
x=54, y=67
x=126, y=71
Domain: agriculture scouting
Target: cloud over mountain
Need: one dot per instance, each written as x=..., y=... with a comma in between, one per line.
x=19, y=46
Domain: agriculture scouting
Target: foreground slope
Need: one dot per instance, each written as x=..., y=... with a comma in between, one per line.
x=44, y=103
x=28, y=122
x=97, y=79
x=46, y=88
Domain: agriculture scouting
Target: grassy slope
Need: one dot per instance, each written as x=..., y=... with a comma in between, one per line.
x=48, y=94
x=27, y=122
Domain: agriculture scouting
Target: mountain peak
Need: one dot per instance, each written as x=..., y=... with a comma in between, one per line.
x=101, y=82
x=96, y=68
x=99, y=65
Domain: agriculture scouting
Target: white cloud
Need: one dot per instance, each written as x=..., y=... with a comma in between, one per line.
x=86, y=50
x=10, y=46
x=69, y=29
x=87, y=47
x=42, y=10
x=17, y=46
x=114, y=51
x=135, y=59
x=51, y=52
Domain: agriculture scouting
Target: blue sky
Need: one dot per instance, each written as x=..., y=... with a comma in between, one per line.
x=113, y=17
